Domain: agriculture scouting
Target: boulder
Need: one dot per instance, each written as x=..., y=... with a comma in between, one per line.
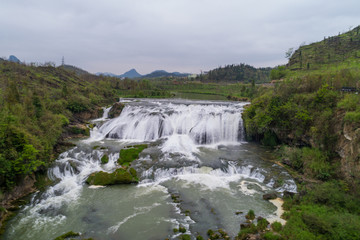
x=116, y=110
x=269, y=196
x=287, y=194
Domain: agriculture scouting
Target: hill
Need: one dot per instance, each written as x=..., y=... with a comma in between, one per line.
x=131, y=74
x=162, y=73
x=37, y=106
x=14, y=59
x=315, y=126
x=331, y=50
x=237, y=73
x=76, y=70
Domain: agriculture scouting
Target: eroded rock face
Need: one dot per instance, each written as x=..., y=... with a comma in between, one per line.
x=25, y=187
x=348, y=148
x=116, y=109
x=89, y=114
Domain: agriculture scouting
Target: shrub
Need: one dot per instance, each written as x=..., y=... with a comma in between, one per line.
x=352, y=117
x=272, y=236
x=350, y=102
x=317, y=163
x=105, y=159
x=276, y=226
x=250, y=215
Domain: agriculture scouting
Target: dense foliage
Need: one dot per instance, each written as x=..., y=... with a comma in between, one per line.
x=312, y=111
x=331, y=50
x=36, y=103
x=237, y=73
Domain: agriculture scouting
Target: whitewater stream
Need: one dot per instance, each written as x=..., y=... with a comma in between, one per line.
x=197, y=156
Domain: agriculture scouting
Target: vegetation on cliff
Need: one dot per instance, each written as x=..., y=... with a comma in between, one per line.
x=314, y=111
x=37, y=104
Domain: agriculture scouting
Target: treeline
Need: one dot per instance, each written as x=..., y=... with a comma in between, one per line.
x=237, y=73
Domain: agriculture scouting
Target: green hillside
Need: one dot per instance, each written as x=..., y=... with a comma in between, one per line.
x=237, y=73
x=331, y=50
x=315, y=126
x=36, y=105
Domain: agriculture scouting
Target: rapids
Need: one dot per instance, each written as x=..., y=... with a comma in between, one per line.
x=196, y=154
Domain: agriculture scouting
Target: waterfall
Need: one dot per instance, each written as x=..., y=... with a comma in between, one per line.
x=203, y=123
x=195, y=151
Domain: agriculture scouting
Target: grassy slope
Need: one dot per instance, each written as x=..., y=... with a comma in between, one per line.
x=36, y=103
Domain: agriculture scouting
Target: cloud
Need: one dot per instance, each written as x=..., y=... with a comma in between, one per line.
x=186, y=35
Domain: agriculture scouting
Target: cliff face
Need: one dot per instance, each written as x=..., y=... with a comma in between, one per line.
x=348, y=148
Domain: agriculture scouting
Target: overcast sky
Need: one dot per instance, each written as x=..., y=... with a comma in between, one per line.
x=173, y=35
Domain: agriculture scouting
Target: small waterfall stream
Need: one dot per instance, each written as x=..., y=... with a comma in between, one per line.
x=196, y=154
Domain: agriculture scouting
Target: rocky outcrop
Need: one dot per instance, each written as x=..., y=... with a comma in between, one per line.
x=116, y=110
x=87, y=115
x=24, y=188
x=348, y=148
x=269, y=196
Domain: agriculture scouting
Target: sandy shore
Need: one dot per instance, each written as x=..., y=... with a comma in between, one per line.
x=278, y=202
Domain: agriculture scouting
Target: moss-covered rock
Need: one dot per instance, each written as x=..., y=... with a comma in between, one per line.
x=104, y=159
x=67, y=235
x=119, y=176
x=116, y=110
x=127, y=155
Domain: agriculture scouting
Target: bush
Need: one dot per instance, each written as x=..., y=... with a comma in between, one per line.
x=350, y=102
x=316, y=163
x=352, y=117
x=272, y=236
x=104, y=159
x=276, y=226
x=250, y=215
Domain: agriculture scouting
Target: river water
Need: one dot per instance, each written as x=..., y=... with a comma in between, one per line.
x=197, y=155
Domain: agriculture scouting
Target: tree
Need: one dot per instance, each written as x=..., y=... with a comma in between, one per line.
x=289, y=52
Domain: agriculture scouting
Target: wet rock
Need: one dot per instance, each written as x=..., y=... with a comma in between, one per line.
x=269, y=196
x=287, y=194
x=245, y=225
x=74, y=165
x=104, y=159
x=116, y=110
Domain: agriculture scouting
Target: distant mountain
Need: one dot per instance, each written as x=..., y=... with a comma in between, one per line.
x=108, y=74
x=14, y=59
x=162, y=73
x=155, y=74
x=131, y=74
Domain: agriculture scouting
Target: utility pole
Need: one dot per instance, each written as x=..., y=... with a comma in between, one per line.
x=62, y=61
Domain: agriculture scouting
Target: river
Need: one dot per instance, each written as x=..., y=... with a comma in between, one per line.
x=197, y=172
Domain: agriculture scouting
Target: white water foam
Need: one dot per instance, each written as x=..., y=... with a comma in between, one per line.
x=204, y=124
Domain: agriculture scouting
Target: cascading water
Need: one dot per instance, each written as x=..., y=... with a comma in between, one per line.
x=196, y=154
x=204, y=124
